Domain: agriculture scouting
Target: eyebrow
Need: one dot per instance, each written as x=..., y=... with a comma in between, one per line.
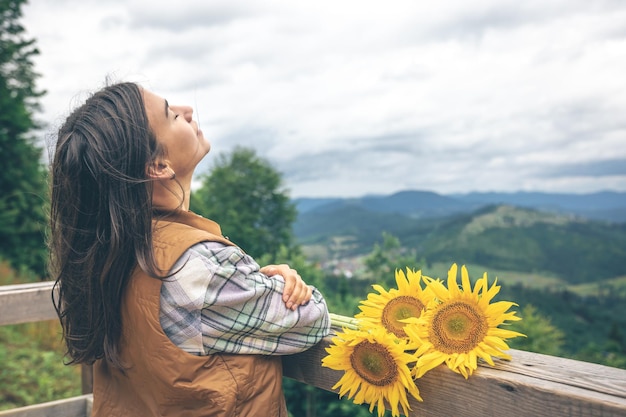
x=167, y=106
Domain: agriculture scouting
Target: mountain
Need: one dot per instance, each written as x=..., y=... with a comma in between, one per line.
x=409, y=203
x=609, y=206
x=606, y=206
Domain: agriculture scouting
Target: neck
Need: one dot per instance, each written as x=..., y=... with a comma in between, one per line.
x=170, y=195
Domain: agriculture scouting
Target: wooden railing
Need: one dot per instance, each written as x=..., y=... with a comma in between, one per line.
x=530, y=384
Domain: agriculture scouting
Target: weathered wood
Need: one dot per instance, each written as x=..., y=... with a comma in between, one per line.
x=26, y=303
x=529, y=385
x=70, y=407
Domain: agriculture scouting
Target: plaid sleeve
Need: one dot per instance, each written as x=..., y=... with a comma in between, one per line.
x=218, y=301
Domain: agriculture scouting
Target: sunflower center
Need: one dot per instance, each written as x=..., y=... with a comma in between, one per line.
x=397, y=309
x=374, y=363
x=457, y=327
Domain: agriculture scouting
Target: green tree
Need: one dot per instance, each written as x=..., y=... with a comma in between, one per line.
x=386, y=258
x=244, y=194
x=541, y=335
x=610, y=351
x=22, y=177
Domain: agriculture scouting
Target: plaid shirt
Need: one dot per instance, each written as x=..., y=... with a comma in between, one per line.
x=218, y=301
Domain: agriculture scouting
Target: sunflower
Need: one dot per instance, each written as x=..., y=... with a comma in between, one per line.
x=375, y=367
x=461, y=325
x=388, y=308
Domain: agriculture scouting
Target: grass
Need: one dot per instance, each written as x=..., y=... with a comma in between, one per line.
x=614, y=286
x=32, y=369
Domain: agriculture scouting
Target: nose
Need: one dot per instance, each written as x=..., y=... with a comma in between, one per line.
x=185, y=111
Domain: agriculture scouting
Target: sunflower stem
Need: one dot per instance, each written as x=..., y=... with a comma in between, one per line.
x=343, y=321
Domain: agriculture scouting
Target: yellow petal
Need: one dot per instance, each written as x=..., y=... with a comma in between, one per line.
x=467, y=286
x=452, y=285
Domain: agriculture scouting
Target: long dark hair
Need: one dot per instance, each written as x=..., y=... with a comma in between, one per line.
x=101, y=212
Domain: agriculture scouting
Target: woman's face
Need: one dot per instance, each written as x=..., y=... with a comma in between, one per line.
x=184, y=143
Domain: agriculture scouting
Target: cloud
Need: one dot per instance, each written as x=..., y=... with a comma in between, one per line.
x=605, y=168
x=350, y=98
x=181, y=18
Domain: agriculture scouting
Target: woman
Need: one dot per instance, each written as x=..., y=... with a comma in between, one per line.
x=176, y=319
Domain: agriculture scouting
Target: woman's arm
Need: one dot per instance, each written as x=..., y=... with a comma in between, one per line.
x=219, y=301
x=295, y=292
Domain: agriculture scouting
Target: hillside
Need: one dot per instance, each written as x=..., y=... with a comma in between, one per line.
x=519, y=239
x=499, y=236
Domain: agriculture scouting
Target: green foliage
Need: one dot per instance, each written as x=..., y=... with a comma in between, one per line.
x=244, y=194
x=306, y=400
x=385, y=258
x=22, y=178
x=32, y=368
x=590, y=325
x=541, y=335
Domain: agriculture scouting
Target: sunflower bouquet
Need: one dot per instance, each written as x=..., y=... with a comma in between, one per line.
x=402, y=333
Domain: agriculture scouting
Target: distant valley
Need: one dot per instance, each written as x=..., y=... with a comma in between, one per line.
x=576, y=238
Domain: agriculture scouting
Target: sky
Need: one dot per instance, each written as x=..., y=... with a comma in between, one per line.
x=347, y=98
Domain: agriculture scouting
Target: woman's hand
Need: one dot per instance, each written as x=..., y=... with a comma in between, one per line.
x=296, y=291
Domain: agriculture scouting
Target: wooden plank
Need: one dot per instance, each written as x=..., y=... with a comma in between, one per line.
x=69, y=407
x=26, y=285
x=529, y=385
x=26, y=303
x=585, y=375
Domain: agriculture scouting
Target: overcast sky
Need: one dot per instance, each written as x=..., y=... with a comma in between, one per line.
x=348, y=98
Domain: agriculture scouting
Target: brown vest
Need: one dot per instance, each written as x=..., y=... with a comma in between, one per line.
x=162, y=380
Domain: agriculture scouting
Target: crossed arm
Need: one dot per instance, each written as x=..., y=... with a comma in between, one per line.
x=220, y=300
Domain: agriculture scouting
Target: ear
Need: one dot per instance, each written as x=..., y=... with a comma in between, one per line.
x=160, y=170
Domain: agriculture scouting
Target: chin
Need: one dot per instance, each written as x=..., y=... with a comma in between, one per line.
x=206, y=145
